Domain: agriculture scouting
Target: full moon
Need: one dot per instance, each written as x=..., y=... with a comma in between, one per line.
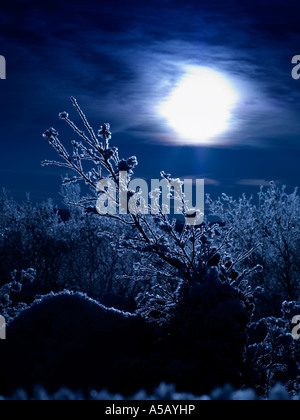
x=199, y=108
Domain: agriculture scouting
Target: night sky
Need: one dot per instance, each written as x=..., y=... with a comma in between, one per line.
x=122, y=59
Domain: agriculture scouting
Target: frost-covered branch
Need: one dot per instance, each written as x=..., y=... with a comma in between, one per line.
x=185, y=249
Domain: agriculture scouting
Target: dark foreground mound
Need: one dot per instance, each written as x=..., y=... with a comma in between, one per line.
x=68, y=339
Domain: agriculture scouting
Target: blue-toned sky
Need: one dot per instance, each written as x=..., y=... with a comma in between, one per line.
x=121, y=60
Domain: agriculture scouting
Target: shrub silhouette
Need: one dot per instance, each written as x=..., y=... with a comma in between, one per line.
x=202, y=346
x=69, y=339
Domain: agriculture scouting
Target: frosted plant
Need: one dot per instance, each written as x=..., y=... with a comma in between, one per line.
x=272, y=354
x=67, y=253
x=163, y=392
x=7, y=308
x=174, y=255
x=274, y=222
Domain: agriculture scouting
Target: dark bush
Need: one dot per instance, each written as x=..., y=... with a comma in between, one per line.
x=68, y=339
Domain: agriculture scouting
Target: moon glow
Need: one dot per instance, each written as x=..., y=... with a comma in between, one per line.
x=199, y=108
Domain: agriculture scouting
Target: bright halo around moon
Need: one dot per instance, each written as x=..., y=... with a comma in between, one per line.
x=199, y=108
